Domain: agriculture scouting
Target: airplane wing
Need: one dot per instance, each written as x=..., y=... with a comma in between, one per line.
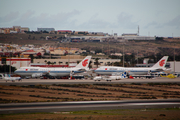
x=82, y=70
x=160, y=69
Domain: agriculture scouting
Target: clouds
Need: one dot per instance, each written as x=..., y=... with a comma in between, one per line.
x=122, y=21
x=121, y=16
x=31, y=19
x=9, y=17
x=151, y=24
x=94, y=23
x=125, y=20
x=27, y=15
x=175, y=22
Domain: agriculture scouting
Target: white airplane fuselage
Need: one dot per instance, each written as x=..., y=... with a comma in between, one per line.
x=108, y=70
x=28, y=71
x=39, y=71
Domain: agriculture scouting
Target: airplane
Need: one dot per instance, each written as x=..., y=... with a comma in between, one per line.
x=35, y=72
x=108, y=70
x=7, y=77
x=114, y=76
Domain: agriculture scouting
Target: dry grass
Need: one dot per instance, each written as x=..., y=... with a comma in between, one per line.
x=81, y=92
x=130, y=46
x=138, y=114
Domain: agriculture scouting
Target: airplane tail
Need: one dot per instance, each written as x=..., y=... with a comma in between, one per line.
x=161, y=63
x=84, y=63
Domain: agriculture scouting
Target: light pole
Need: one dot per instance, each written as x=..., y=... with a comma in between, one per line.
x=137, y=56
x=10, y=62
x=174, y=60
x=68, y=52
x=69, y=48
x=123, y=54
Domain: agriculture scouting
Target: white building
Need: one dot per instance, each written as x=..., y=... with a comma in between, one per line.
x=138, y=38
x=45, y=29
x=174, y=66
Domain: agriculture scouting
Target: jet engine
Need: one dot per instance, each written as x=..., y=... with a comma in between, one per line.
x=36, y=75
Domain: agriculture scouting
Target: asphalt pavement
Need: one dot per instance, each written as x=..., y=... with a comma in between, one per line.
x=86, y=105
x=88, y=81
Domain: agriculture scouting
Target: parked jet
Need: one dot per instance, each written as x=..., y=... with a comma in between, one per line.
x=55, y=72
x=114, y=76
x=108, y=70
x=7, y=77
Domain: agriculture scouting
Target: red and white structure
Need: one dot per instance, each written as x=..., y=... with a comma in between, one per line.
x=17, y=62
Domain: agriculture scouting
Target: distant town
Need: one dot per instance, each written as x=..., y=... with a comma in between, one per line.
x=106, y=49
x=79, y=36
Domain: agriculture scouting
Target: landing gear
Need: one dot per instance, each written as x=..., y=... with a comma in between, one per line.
x=108, y=80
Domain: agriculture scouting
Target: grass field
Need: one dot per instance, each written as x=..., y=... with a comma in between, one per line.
x=86, y=92
x=135, y=114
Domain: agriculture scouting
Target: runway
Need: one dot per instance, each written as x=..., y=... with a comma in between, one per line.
x=88, y=81
x=86, y=105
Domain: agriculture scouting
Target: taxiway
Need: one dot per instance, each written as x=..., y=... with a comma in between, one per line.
x=88, y=81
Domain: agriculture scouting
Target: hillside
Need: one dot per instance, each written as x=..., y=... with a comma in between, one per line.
x=165, y=47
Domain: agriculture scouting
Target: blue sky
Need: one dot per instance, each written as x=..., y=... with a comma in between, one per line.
x=154, y=17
